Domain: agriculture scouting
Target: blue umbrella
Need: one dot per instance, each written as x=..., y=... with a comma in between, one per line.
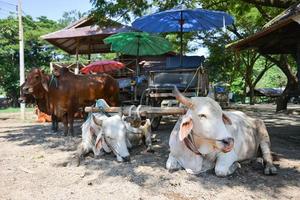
x=182, y=20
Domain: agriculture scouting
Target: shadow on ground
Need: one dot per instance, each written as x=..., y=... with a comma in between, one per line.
x=284, y=131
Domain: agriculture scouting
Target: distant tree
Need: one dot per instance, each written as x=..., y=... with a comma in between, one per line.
x=70, y=17
x=37, y=52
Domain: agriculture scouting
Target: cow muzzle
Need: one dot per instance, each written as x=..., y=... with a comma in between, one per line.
x=227, y=144
x=126, y=159
x=22, y=100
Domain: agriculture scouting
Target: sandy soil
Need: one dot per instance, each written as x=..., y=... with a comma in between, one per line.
x=36, y=164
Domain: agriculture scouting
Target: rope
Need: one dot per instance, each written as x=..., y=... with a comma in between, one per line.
x=138, y=111
x=192, y=79
x=53, y=78
x=130, y=110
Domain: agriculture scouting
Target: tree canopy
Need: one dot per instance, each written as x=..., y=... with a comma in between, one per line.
x=243, y=71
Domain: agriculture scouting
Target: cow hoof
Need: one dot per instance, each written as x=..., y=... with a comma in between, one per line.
x=222, y=172
x=78, y=160
x=173, y=170
x=270, y=170
x=233, y=167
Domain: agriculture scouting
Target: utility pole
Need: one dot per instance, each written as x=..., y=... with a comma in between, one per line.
x=21, y=56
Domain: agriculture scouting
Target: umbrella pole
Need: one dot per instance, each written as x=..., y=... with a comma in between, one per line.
x=137, y=69
x=181, y=31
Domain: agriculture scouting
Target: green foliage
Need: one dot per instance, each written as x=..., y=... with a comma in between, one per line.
x=223, y=65
x=14, y=110
x=70, y=17
x=37, y=52
x=267, y=81
x=241, y=70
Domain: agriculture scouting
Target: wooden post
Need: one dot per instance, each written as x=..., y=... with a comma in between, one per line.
x=21, y=58
x=89, y=58
x=89, y=55
x=77, y=58
x=298, y=64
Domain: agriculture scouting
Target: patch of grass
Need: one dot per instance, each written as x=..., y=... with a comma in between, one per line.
x=14, y=110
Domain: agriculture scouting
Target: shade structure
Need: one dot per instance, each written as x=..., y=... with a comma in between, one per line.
x=182, y=20
x=103, y=66
x=85, y=36
x=138, y=44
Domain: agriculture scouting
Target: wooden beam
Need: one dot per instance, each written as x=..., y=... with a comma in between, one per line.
x=77, y=56
x=143, y=111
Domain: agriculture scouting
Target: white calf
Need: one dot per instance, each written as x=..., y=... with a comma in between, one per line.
x=111, y=134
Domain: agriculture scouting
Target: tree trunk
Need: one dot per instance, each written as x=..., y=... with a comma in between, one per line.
x=251, y=95
x=244, y=94
x=292, y=82
x=282, y=101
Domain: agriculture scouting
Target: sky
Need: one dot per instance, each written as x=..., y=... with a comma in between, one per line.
x=53, y=9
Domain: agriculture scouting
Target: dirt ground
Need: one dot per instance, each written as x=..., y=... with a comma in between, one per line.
x=37, y=164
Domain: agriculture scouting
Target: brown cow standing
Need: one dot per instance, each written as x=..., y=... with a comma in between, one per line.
x=38, y=95
x=68, y=92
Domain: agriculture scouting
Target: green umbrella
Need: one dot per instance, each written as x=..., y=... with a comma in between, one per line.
x=138, y=44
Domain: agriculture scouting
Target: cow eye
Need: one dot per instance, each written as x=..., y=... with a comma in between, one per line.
x=202, y=116
x=108, y=137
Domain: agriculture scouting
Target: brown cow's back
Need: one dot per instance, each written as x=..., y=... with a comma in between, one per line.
x=85, y=89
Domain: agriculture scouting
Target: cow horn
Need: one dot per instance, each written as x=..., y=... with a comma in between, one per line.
x=96, y=121
x=182, y=99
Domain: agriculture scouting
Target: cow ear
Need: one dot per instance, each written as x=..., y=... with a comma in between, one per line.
x=44, y=80
x=45, y=83
x=99, y=142
x=186, y=127
x=226, y=119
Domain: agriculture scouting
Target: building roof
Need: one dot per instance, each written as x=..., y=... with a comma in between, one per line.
x=280, y=35
x=84, y=37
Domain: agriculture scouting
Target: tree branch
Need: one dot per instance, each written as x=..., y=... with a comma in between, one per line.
x=235, y=31
x=263, y=13
x=273, y=3
x=261, y=74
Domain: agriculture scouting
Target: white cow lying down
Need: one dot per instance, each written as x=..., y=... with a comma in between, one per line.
x=206, y=138
x=101, y=133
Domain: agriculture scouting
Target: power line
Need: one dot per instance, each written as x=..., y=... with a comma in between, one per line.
x=7, y=13
x=7, y=10
x=8, y=3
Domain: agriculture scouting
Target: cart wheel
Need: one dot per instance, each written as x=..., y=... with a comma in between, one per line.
x=155, y=121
